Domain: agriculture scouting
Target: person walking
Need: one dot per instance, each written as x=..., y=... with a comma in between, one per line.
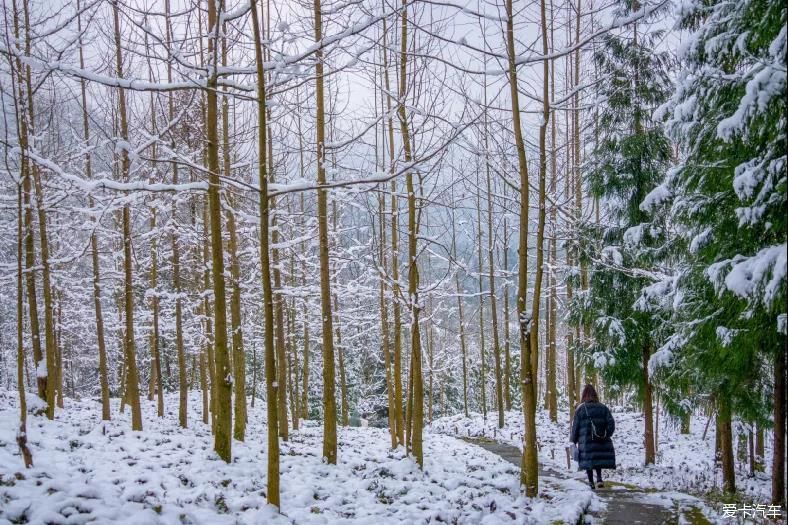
x=592, y=428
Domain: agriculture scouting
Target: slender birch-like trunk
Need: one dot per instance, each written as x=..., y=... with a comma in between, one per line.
x=329, y=374
x=529, y=466
x=102, y=346
x=222, y=377
x=272, y=490
x=50, y=345
x=413, y=270
x=183, y=387
x=398, y=414
x=21, y=436
x=132, y=391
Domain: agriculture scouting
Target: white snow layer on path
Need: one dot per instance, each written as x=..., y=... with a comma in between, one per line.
x=88, y=471
x=685, y=462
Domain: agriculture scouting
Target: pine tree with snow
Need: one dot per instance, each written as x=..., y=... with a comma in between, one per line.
x=630, y=157
x=728, y=193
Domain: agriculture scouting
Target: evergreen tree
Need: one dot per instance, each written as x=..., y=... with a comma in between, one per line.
x=630, y=157
x=728, y=194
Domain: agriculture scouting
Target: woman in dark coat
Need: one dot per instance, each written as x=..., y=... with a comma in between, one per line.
x=592, y=428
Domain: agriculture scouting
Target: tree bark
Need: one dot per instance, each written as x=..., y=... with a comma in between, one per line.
x=463, y=348
x=329, y=374
x=778, y=455
x=102, y=347
x=507, y=319
x=648, y=411
x=183, y=387
x=529, y=464
x=726, y=446
x=398, y=414
x=21, y=436
x=552, y=350
x=483, y=371
x=132, y=382
x=222, y=377
x=272, y=490
x=417, y=413
x=499, y=386
x=25, y=174
x=279, y=319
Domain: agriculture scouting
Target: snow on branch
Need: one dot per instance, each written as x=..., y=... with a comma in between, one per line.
x=89, y=186
x=758, y=278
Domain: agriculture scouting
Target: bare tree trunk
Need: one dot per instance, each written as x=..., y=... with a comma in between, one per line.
x=155, y=340
x=204, y=387
x=21, y=436
x=25, y=174
x=430, y=355
x=49, y=321
x=530, y=461
x=413, y=270
x=483, y=371
x=529, y=466
x=759, y=448
x=344, y=413
x=552, y=351
x=27, y=129
x=507, y=319
x=571, y=379
x=222, y=377
x=272, y=491
x=279, y=319
x=778, y=454
x=102, y=347
x=183, y=387
x=384, y=321
x=726, y=446
x=305, y=379
x=292, y=355
x=398, y=415
x=329, y=375
x=648, y=411
x=463, y=349
x=499, y=396
x=132, y=381
x=238, y=355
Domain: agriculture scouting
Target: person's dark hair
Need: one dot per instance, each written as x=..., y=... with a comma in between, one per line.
x=589, y=395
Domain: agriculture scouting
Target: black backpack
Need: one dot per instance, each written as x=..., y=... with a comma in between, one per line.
x=592, y=428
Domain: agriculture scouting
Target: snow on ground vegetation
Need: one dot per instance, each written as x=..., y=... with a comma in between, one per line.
x=89, y=471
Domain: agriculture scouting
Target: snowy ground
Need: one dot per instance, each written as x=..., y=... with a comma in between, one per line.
x=89, y=471
x=684, y=462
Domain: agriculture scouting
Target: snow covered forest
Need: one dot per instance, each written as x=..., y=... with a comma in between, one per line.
x=237, y=235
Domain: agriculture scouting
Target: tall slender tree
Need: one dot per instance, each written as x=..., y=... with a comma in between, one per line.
x=272, y=476
x=222, y=377
x=329, y=374
x=131, y=390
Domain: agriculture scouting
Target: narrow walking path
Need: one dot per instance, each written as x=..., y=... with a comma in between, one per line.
x=624, y=505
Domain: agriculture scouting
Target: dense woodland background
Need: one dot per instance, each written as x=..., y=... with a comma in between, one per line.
x=465, y=206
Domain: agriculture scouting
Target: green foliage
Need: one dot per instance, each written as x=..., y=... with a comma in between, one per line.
x=630, y=158
x=728, y=195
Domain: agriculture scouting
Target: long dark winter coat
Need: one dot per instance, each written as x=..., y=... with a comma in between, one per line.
x=596, y=448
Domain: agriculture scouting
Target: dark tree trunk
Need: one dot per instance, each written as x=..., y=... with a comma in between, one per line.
x=648, y=413
x=778, y=457
x=726, y=448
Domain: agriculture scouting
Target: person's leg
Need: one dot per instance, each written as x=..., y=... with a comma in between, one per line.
x=590, y=474
x=599, y=483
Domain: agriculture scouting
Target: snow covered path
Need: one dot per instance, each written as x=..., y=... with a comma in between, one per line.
x=622, y=505
x=684, y=465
